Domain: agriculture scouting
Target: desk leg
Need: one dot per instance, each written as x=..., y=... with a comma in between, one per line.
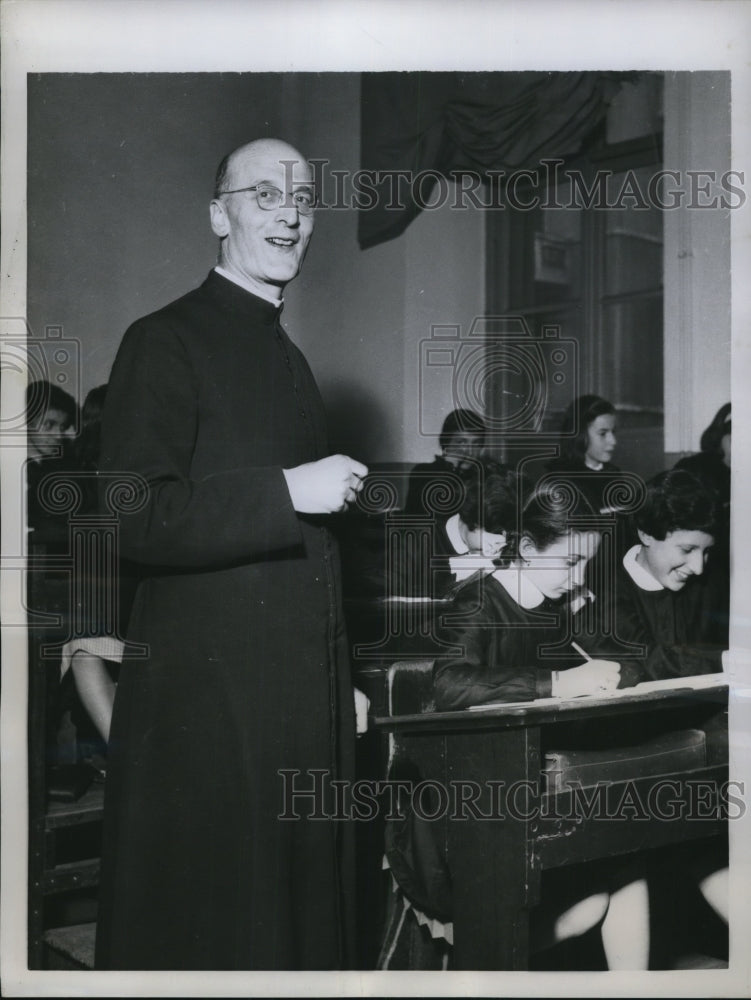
x=495, y=882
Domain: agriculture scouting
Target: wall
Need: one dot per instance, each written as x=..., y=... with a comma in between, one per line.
x=697, y=258
x=120, y=174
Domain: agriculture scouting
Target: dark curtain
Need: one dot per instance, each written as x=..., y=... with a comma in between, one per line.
x=448, y=123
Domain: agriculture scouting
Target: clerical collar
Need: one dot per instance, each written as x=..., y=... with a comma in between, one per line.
x=247, y=286
x=641, y=577
x=454, y=535
x=519, y=587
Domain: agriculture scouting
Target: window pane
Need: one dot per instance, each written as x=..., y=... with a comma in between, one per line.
x=633, y=238
x=632, y=341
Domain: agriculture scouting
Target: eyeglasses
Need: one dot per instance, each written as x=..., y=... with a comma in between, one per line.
x=269, y=197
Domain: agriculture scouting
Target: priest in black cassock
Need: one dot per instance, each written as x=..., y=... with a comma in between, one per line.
x=247, y=673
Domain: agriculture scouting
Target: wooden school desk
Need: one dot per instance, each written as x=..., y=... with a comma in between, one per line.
x=496, y=863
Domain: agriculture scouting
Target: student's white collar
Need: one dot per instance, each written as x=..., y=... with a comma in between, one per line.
x=519, y=587
x=246, y=285
x=641, y=577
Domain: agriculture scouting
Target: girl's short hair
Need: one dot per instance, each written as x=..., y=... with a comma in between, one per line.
x=711, y=439
x=576, y=420
x=677, y=501
x=42, y=396
x=490, y=501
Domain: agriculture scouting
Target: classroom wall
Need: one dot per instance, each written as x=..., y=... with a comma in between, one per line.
x=120, y=175
x=696, y=257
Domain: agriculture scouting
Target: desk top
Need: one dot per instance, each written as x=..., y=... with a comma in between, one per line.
x=544, y=711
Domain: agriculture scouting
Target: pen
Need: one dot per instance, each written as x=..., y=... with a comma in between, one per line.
x=580, y=651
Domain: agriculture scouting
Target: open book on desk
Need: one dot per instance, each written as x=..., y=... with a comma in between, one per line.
x=697, y=683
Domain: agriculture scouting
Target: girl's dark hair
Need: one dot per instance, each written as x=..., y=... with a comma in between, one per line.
x=711, y=439
x=490, y=501
x=42, y=396
x=89, y=440
x=549, y=513
x=459, y=421
x=677, y=501
x=576, y=420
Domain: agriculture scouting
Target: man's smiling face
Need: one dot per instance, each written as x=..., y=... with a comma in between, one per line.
x=266, y=248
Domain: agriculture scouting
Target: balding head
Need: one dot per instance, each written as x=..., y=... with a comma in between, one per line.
x=233, y=162
x=263, y=243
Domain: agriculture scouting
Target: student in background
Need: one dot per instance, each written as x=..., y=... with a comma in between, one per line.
x=465, y=542
x=587, y=442
x=712, y=464
x=51, y=417
x=94, y=658
x=433, y=490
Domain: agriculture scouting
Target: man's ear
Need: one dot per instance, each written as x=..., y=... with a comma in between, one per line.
x=644, y=538
x=219, y=220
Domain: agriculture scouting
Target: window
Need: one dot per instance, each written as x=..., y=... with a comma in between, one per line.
x=587, y=259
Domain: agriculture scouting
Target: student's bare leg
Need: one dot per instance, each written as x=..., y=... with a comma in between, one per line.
x=625, y=929
x=96, y=689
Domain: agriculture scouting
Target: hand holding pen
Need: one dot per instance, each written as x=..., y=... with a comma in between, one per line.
x=596, y=677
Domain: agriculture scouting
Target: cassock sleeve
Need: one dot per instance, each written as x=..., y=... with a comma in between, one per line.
x=149, y=428
x=487, y=669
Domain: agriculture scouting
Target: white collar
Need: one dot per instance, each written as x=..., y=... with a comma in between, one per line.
x=454, y=535
x=641, y=577
x=246, y=285
x=519, y=587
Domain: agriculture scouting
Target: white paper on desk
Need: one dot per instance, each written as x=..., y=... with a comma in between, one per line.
x=696, y=683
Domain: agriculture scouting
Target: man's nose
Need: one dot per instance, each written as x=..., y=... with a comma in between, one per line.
x=288, y=211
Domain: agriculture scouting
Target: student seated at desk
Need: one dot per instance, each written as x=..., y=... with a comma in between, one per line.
x=660, y=601
x=461, y=441
x=465, y=542
x=662, y=604
x=512, y=613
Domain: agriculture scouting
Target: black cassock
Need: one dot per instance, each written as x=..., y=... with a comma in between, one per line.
x=247, y=672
